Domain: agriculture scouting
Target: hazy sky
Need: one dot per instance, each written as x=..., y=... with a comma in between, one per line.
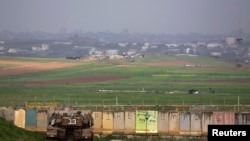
x=144, y=16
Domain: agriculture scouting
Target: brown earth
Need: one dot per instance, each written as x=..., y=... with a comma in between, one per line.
x=24, y=67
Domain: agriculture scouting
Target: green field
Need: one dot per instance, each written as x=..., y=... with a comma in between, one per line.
x=9, y=132
x=142, y=84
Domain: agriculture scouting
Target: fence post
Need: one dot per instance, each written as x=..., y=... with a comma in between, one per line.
x=238, y=103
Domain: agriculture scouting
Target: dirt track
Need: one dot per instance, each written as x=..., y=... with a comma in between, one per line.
x=24, y=67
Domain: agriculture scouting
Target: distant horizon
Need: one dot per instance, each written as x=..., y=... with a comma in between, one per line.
x=172, y=17
x=122, y=32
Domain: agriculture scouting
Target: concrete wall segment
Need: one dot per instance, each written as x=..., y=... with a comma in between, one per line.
x=174, y=123
x=119, y=122
x=185, y=123
x=163, y=123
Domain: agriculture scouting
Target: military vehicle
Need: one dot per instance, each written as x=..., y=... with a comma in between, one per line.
x=70, y=127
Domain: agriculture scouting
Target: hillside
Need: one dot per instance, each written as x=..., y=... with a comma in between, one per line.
x=9, y=132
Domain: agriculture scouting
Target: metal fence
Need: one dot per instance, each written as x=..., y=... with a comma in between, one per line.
x=198, y=108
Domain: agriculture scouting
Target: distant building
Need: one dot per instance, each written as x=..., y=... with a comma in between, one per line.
x=98, y=53
x=122, y=44
x=146, y=44
x=92, y=51
x=192, y=45
x=42, y=48
x=201, y=44
x=144, y=48
x=190, y=50
x=215, y=54
x=171, y=45
x=230, y=40
x=64, y=43
x=131, y=52
x=12, y=50
x=214, y=45
x=111, y=52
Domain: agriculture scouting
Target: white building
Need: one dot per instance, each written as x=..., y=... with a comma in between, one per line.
x=64, y=43
x=92, y=51
x=131, y=52
x=201, y=44
x=230, y=40
x=122, y=44
x=187, y=50
x=215, y=54
x=42, y=48
x=45, y=47
x=12, y=50
x=111, y=52
x=144, y=48
x=214, y=45
x=146, y=44
x=171, y=45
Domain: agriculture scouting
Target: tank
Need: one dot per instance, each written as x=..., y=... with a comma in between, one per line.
x=70, y=127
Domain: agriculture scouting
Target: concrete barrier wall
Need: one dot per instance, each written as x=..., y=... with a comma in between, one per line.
x=146, y=121
x=119, y=122
x=221, y=118
x=174, y=123
x=129, y=122
x=152, y=122
x=42, y=119
x=206, y=119
x=135, y=122
x=97, y=116
x=242, y=118
x=218, y=118
x=19, y=118
x=185, y=123
x=196, y=124
x=229, y=118
x=107, y=122
x=163, y=123
x=7, y=113
x=30, y=118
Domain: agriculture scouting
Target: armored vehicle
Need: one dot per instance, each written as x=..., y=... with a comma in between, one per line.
x=70, y=127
